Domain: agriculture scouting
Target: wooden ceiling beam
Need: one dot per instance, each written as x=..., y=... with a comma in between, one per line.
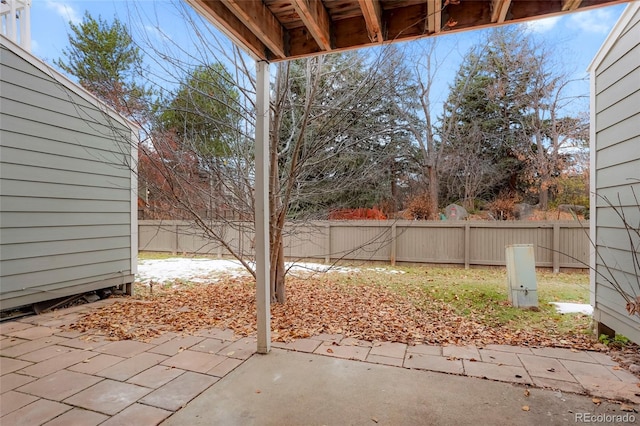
x=434, y=16
x=373, y=17
x=217, y=13
x=570, y=4
x=316, y=18
x=499, y=10
x=260, y=21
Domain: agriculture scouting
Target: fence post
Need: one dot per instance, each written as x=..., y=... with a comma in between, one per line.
x=327, y=242
x=394, y=247
x=467, y=244
x=175, y=240
x=556, y=248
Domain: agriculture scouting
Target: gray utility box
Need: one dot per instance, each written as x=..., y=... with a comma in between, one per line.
x=521, y=276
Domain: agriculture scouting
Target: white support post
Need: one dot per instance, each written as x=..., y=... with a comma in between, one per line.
x=263, y=292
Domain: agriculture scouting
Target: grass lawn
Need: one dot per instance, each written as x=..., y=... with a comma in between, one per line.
x=481, y=294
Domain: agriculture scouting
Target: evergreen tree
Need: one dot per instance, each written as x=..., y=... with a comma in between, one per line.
x=104, y=59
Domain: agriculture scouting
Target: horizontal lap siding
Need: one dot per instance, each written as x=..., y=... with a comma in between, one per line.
x=617, y=171
x=65, y=200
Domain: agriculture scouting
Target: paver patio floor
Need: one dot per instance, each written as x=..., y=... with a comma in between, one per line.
x=52, y=377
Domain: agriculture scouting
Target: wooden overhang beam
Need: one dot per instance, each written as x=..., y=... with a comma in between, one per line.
x=372, y=13
x=316, y=18
x=499, y=10
x=434, y=16
x=216, y=12
x=261, y=22
x=570, y=4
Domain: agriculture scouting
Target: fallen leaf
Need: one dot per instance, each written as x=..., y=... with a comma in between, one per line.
x=526, y=392
x=230, y=353
x=329, y=350
x=627, y=408
x=375, y=420
x=525, y=408
x=618, y=368
x=596, y=401
x=258, y=391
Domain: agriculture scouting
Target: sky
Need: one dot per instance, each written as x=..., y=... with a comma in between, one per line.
x=574, y=38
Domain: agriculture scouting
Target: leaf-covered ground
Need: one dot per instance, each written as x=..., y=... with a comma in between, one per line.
x=331, y=304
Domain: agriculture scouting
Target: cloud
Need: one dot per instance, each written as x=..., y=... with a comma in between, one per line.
x=599, y=21
x=65, y=10
x=543, y=25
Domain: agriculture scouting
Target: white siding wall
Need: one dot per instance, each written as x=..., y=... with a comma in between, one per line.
x=615, y=154
x=65, y=186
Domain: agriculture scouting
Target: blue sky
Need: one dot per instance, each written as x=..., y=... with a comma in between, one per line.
x=574, y=38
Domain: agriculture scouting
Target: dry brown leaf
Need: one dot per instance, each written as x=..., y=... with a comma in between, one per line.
x=627, y=408
x=525, y=408
x=526, y=392
x=374, y=419
x=329, y=350
x=596, y=401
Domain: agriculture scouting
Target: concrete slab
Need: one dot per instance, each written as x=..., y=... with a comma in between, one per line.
x=293, y=388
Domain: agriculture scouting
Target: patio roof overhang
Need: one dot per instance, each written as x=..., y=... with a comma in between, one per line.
x=276, y=30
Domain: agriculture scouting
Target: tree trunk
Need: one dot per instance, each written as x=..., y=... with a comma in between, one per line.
x=434, y=191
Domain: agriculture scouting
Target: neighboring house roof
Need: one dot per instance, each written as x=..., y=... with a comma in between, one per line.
x=67, y=83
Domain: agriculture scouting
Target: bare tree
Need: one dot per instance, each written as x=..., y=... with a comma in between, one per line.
x=330, y=139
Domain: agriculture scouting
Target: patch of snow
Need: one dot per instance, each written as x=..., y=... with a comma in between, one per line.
x=573, y=308
x=210, y=270
x=195, y=270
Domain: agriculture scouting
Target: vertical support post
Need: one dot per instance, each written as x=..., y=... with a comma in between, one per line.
x=556, y=248
x=394, y=247
x=467, y=245
x=263, y=289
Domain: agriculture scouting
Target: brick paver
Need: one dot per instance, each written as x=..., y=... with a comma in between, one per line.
x=132, y=366
x=225, y=367
x=36, y=413
x=12, y=380
x=56, y=363
x=549, y=368
x=561, y=353
x=78, y=417
x=9, y=365
x=11, y=401
x=434, y=363
x=499, y=357
x=178, y=392
x=65, y=377
x=199, y=362
x=300, y=345
x=138, y=414
x=60, y=385
x=346, y=352
x=176, y=345
x=125, y=348
x=240, y=349
x=424, y=350
x=108, y=397
x=95, y=364
x=32, y=333
x=26, y=346
x=461, y=352
x=389, y=349
x=156, y=376
x=502, y=373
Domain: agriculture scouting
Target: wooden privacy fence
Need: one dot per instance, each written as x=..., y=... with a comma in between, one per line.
x=557, y=244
